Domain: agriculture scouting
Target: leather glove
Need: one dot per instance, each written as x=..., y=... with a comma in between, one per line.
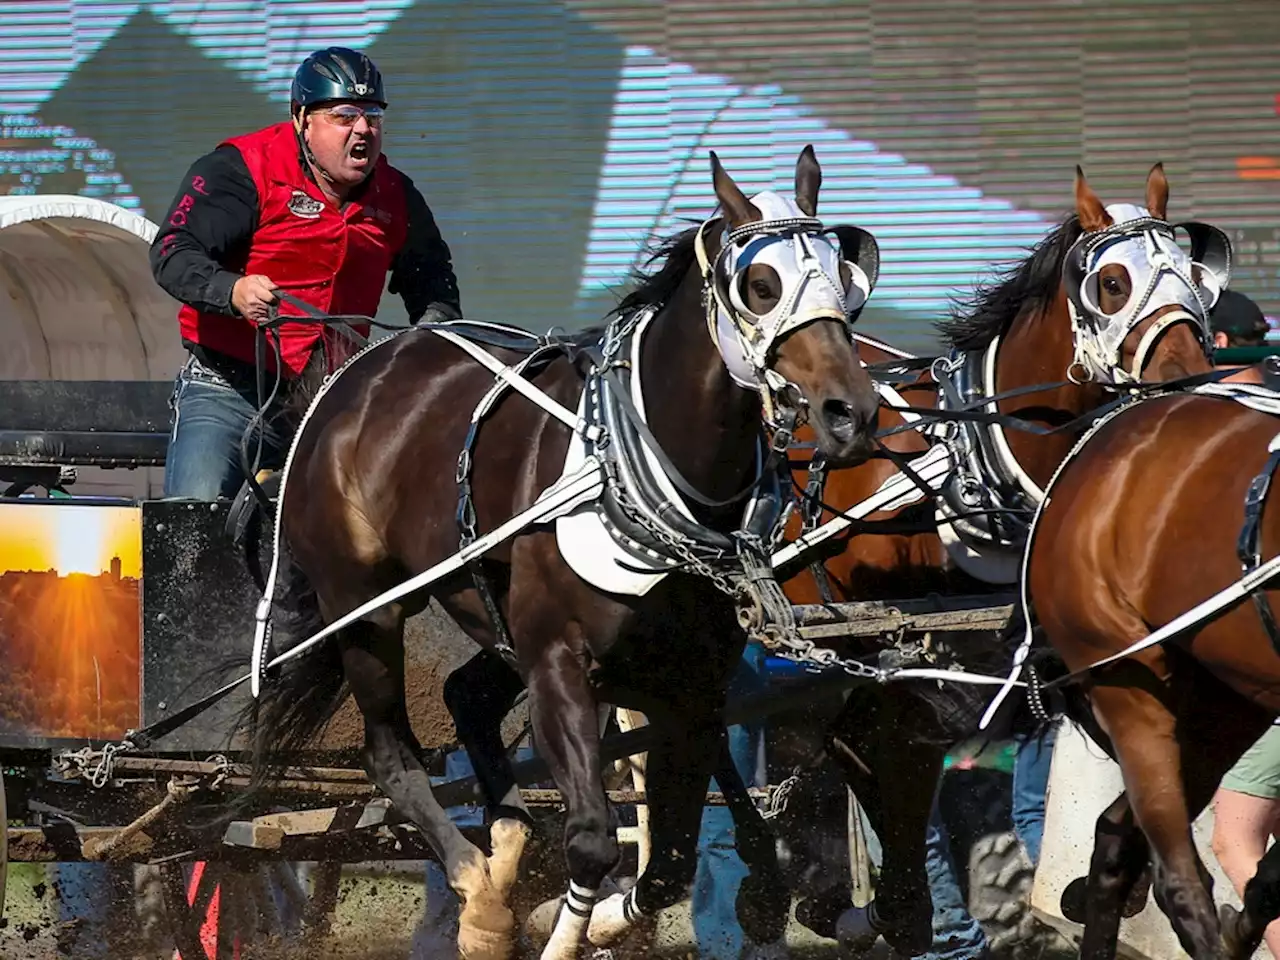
x=438, y=313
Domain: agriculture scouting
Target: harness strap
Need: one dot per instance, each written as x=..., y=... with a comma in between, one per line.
x=465, y=514
x=519, y=384
x=931, y=466
x=972, y=411
x=1253, y=580
x=1153, y=333
x=568, y=492
x=1249, y=543
x=623, y=396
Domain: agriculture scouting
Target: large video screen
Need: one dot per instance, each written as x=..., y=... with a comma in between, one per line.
x=555, y=139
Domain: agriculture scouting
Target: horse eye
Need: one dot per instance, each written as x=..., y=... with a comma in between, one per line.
x=1111, y=285
x=761, y=289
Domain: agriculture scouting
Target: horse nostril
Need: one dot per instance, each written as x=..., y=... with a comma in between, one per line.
x=839, y=418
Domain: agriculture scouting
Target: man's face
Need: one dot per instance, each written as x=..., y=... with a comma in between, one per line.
x=346, y=139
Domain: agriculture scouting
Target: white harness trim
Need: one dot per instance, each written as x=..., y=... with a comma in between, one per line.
x=513, y=378
x=562, y=496
x=898, y=490
x=998, y=438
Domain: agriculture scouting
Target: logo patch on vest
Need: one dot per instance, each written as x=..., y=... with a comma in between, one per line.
x=307, y=207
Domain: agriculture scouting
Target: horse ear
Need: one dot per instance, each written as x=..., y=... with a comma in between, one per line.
x=1093, y=215
x=737, y=207
x=808, y=181
x=1158, y=192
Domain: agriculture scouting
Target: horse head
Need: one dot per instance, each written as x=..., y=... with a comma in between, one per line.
x=782, y=293
x=1140, y=302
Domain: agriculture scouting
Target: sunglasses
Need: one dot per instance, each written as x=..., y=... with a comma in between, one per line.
x=346, y=116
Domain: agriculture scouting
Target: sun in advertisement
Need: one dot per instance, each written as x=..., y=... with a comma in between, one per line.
x=69, y=619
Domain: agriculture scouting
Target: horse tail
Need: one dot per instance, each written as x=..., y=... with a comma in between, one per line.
x=299, y=698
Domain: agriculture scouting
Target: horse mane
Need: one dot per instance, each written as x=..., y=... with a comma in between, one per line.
x=653, y=288
x=1030, y=284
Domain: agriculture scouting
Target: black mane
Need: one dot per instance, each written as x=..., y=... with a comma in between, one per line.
x=653, y=288
x=1030, y=284
x=650, y=287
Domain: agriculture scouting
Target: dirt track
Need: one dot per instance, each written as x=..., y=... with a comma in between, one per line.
x=434, y=646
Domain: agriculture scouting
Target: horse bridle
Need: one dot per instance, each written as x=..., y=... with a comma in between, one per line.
x=804, y=281
x=1147, y=245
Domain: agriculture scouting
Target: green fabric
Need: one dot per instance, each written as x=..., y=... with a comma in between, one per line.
x=1257, y=772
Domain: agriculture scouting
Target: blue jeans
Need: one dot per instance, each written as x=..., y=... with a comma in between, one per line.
x=720, y=870
x=956, y=934
x=1030, y=781
x=86, y=892
x=210, y=415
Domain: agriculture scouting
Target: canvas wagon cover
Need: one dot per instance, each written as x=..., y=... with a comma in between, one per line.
x=80, y=302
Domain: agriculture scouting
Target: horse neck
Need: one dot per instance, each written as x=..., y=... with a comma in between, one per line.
x=706, y=423
x=1039, y=348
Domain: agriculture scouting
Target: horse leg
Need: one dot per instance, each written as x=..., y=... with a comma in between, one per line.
x=1216, y=729
x=764, y=900
x=681, y=763
x=373, y=662
x=898, y=779
x=1120, y=854
x=1133, y=707
x=566, y=726
x=479, y=695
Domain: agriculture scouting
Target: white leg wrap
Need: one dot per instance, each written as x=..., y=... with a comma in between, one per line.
x=571, y=924
x=613, y=918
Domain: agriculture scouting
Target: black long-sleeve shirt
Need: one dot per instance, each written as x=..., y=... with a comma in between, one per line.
x=197, y=259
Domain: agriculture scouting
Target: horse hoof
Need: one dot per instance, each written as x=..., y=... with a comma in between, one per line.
x=1236, y=942
x=855, y=930
x=542, y=920
x=1137, y=901
x=820, y=913
x=1072, y=902
x=611, y=919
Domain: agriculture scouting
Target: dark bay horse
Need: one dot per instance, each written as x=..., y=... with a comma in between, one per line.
x=369, y=498
x=1016, y=332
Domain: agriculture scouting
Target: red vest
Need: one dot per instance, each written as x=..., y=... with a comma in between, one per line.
x=337, y=261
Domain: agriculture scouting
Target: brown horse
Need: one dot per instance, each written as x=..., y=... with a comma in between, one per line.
x=369, y=497
x=1144, y=523
x=1016, y=333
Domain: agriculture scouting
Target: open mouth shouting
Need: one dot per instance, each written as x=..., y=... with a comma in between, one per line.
x=358, y=153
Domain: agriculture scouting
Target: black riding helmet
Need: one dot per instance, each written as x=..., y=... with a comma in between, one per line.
x=336, y=73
